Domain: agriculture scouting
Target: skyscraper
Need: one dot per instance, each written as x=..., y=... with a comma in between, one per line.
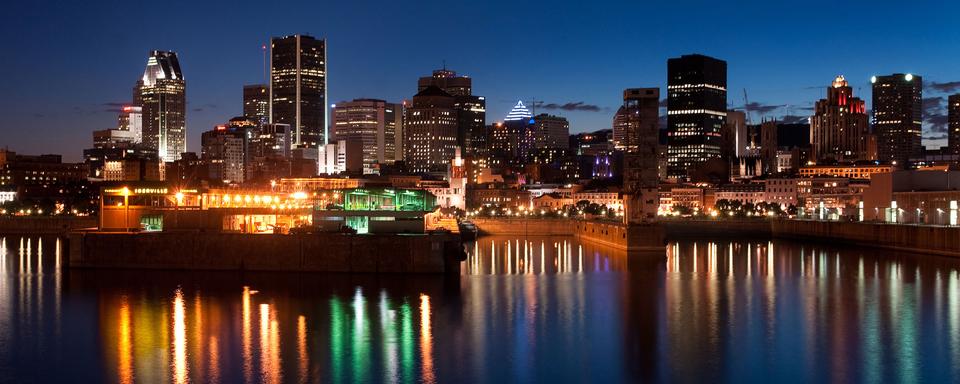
x=223, y=153
x=838, y=127
x=131, y=119
x=696, y=111
x=298, y=87
x=638, y=120
x=161, y=95
x=512, y=140
x=444, y=102
x=471, y=110
x=256, y=103
x=897, y=120
x=953, y=124
x=430, y=131
x=376, y=124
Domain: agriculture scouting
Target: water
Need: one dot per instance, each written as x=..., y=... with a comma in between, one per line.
x=547, y=309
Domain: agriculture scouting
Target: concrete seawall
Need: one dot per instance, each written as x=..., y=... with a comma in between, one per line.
x=45, y=225
x=325, y=252
x=525, y=227
x=944, y=241
x=635, y=237
x=685, y=229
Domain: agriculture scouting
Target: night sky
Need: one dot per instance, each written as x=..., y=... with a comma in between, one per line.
x=67, y=66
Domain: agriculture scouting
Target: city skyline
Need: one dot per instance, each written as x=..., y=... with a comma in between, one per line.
x=783, y=71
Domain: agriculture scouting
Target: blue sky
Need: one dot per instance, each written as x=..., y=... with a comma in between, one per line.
x=67, y=64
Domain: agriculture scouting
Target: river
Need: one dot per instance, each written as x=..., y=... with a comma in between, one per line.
x=524, y=310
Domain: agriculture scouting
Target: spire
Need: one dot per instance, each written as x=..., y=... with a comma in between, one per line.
x=519, y=112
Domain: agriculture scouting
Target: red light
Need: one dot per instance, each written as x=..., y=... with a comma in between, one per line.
x=221, y=127
x=127, y=108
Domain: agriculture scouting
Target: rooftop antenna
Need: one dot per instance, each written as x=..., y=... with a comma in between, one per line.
x=263, y=48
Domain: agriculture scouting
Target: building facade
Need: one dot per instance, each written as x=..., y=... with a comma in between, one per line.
x=161, y=95
x=470, y=110
x=298, y=88
x=838, y=127
x=256, y=103
x=953, y=124
x=551, y=132
x=696, y=111
x=376, y=124
x=430, y=131
x=897, y=107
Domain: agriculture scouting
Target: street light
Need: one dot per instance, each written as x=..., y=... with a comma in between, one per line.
x=176, y=209
x=126, y=208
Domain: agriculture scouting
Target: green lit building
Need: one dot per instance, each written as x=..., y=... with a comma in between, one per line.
x=376, y=210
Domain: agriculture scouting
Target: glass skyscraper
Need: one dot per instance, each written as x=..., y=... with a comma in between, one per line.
x=161, y=95
x=696, y=112
x=298, y=88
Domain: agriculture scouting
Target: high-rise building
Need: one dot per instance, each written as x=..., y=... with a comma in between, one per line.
x=130, y=119
x=376, y=124
x=551, y=132
x=696, y=111
x=639, y=124
x=161, y=95
x=838, y=127
x=512, y=141
x=223, y=153
x=953, y=124
x=298, y=87
x=470, y=110
x=256, y=103
x=897, y=108
x=430, y=131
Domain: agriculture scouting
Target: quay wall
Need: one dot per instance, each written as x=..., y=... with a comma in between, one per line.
x=525, y=227
x=935, y=240
x=323, y=252
x=634, y=237
x=683, y=229
x=45, y=224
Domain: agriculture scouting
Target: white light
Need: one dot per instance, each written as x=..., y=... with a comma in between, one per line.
x=908, y=77
x=873, y=79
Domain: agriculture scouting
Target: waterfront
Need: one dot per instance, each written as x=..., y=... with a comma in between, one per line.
x=548, y=308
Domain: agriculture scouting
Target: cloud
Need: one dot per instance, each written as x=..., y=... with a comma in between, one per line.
x=939, y=136
x=794, y=119
x=935, y=114
x=948, y=87
x=112, y=106
x=761, y=108
x=571, y=106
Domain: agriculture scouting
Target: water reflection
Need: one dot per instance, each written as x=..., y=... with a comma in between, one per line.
x=550, y=309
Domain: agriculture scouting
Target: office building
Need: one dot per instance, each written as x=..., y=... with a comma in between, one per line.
x=838, y=127
x=953, y=124
x=551, y=132
x=223, y=153
x=256, y=103
x=298, y=88
x=161, y=95
x=130, y=119
x=376, y=124
x=470, y=110
x=430, y=131
x=696, y=112
x=897, y=108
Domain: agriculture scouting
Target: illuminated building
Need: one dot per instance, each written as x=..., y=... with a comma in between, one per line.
x=377, y=210
x=897, y=107
x=341, y=156
x=113, y=138
x=551, y=132
x=696, y=112
x=430, y=131
x=133, y=169
x=130, y=120
x=838, y=127
x=863, y=171
x=256, y=103
x=223, y=153
x=953, y=124
x=638, y=123
x=376, y=125
x=433, y=113
x=161, y=94
x=298, y=88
